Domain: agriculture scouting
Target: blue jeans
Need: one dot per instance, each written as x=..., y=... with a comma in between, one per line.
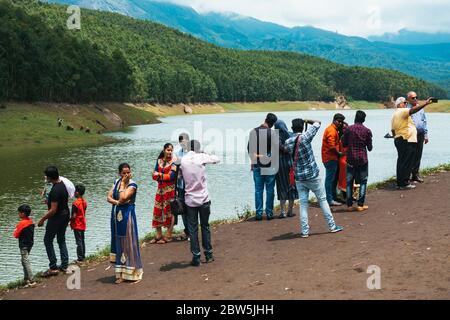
x=358, y=174
x=331, y=179
x=261, y=181
x=314, y=185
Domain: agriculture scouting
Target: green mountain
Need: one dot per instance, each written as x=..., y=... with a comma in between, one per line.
x=429, y=61
x=118, y=58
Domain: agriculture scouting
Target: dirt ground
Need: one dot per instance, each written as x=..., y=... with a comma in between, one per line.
x=404, y=233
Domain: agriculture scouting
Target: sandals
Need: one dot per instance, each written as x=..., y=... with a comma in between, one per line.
x=50, y=273
x=158, y=241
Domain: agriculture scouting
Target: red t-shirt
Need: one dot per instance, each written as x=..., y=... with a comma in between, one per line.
x=78, y=221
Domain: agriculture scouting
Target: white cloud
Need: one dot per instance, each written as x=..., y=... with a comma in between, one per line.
x=350, y=17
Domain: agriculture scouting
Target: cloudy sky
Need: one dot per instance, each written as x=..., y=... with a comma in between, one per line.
x=350, y=17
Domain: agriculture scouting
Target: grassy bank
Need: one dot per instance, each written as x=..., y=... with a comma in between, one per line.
x=28, y=126
x=102, y=255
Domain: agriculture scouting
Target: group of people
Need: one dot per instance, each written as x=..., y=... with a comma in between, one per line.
x=58, y=217
x=281, y=158
x=292, y=166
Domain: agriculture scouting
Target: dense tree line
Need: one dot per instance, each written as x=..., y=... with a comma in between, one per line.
x=118, y=58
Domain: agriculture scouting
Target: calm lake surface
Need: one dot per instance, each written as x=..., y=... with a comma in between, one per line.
x=230, y=182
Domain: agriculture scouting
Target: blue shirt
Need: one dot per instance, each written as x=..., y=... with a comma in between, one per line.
x=306, y=167
x=420, y=120
x=180, y=153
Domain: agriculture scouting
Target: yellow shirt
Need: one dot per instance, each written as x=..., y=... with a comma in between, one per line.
x=403, y=125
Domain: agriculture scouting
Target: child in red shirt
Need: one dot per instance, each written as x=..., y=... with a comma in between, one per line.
x=78, y=221
x=25, y=233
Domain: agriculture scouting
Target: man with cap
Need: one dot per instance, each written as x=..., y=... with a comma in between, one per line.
x=330, y=157
x=405, y=138
x=262, y=148
x=358, y=139
x=307, y=174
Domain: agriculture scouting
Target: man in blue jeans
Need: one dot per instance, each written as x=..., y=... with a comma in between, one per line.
x=330, y=157
x=264, y=164
x=307, y=174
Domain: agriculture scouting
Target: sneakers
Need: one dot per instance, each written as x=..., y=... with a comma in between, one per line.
x=417, y=179
x=362, y=208
x=304, y=235
x=258, y=218
x=408, y=187
x=335, y=204
x=282, y=215
x=209, y=257
x=351, y=209
x=29, y=284
x=336, y=229
x=195, y=261
x=269, y=218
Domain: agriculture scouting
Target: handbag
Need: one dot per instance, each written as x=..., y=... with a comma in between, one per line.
x=295, y=157
x=177, y=205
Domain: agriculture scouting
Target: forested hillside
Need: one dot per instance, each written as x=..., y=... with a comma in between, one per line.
x=117, y=58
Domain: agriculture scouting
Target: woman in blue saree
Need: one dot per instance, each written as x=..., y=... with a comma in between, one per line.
x=125, y=253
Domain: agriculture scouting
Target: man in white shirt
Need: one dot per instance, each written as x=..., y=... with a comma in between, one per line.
x=197, y=199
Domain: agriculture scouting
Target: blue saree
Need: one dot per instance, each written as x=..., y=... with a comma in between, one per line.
x=125, y=251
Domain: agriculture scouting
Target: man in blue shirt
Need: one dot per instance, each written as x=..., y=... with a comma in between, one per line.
x=307, y=174
x=181, y=150
x=420, y=120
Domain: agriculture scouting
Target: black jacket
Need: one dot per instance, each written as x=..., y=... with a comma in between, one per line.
x=26, y=238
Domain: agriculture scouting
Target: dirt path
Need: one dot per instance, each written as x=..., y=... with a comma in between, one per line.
x=405, y=233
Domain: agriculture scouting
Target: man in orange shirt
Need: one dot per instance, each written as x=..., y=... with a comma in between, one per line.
x=330, y=157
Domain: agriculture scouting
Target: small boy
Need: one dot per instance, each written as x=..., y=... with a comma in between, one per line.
x=25, y=233
x=78, y=221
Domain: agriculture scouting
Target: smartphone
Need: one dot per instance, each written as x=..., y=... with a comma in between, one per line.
x=434, y=100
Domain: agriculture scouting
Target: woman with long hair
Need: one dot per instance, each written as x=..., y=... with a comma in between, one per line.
x=125, y=253
x=165, y=174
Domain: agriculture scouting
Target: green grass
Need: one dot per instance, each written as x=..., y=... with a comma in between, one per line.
x=28, y=126
x=441, y=106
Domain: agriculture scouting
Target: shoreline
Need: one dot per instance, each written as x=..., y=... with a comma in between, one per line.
x=33, y=126
x=103, y=254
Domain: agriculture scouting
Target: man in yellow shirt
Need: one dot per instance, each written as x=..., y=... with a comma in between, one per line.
x=405, y=134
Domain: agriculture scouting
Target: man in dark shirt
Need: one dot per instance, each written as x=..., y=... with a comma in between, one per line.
x=358, y=139
x=58, y=217
x=264, y=164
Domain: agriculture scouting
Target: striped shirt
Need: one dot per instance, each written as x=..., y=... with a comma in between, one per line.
x=306, y=166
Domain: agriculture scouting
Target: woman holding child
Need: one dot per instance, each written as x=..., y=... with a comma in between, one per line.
x=125, y=251
x=165, y=173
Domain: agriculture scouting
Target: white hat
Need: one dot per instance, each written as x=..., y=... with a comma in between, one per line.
x=399, y=100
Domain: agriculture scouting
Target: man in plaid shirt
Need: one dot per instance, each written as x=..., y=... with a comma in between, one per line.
x=358, y=139
x=307, y=174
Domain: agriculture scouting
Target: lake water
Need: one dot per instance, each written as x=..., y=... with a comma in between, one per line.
x=230, y=183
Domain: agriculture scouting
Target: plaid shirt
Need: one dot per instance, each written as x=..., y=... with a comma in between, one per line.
x=358, y=139
x=306, y=166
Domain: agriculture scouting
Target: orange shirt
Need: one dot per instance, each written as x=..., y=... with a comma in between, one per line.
x=330, y=140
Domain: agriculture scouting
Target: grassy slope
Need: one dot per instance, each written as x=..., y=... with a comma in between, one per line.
x=35, y=125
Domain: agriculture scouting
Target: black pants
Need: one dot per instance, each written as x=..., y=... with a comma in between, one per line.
x=192, y=216
x=56, y=227
x=405, y=159
x=81, y=247
x=418, y=150
x=183, y=216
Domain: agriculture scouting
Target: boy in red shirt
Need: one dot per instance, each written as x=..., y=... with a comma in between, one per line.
x=25, y=233
x=78, y=221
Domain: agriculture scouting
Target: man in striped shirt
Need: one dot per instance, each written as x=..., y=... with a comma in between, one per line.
x=307, y=174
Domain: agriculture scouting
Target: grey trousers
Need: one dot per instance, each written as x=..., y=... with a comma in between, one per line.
x=28, y=275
